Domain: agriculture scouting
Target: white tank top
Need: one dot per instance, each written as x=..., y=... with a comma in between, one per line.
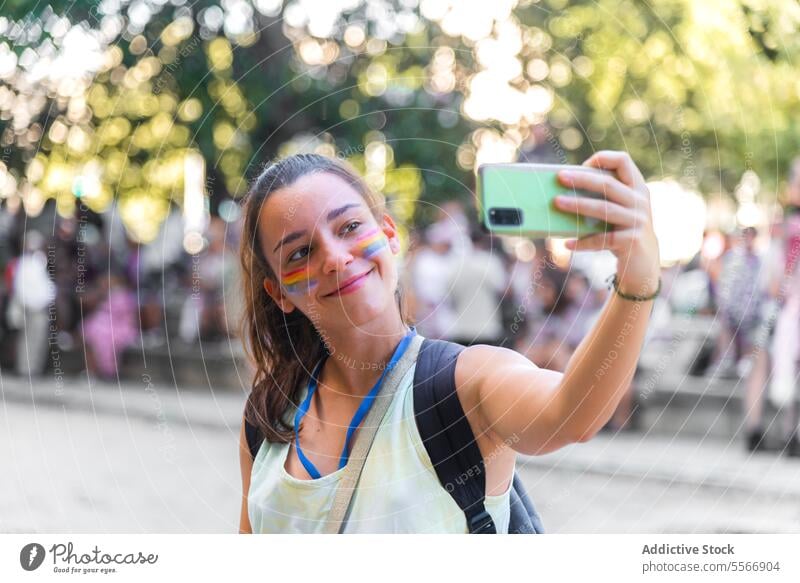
x=398, y=491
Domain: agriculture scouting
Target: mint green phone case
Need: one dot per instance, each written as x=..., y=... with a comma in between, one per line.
x=517, y=199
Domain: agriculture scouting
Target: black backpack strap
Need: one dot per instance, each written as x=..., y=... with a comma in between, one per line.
x=446, y=433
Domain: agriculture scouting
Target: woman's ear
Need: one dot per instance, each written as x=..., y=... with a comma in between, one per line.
x=276, y=293
x=390, y=230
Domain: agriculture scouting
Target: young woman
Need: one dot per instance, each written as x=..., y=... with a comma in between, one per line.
x=324, y=316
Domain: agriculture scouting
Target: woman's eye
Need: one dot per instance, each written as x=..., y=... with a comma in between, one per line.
x=299, y=254
x=350, y=227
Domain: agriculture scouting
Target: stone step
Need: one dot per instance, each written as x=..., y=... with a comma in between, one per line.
x=702, y=407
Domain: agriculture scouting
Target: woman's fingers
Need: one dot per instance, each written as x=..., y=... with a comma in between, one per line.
x=611, y=188
x=604, y=210
x=619, y=162
x=599, y=241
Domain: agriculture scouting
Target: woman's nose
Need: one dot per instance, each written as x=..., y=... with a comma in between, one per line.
x=336, y=256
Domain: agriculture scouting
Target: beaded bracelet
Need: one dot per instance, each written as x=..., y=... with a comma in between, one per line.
x=614, y=284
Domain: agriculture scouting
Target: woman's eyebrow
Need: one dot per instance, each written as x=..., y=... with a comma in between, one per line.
x=338, y=212
x=289, y=238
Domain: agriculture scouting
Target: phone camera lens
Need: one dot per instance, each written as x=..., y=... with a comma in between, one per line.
x=505, y=216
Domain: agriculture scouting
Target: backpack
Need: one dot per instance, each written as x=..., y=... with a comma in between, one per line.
x=450, y=443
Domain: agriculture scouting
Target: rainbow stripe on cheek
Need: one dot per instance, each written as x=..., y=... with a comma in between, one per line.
x=372, y=243
x=298, y=281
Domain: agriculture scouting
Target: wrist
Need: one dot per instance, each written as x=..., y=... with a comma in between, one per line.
x=640, y=290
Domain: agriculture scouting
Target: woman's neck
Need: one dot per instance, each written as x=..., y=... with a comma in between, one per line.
x=358, y=356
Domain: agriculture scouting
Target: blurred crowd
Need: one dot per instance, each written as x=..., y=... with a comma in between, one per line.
x=88, y=288
x=742, y=288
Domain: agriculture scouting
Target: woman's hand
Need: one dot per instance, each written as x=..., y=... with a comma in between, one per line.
x=625, y=206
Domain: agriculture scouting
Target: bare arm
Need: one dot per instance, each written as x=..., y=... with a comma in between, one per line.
x=246, y=464
x=535, y=410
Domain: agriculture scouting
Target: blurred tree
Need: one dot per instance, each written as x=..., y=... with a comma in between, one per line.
x=103, y=100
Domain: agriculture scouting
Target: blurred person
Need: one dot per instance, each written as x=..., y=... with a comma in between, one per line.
x=217, y=270
x=233, y=308
x=541, y=262
x=541, y=146
x=777, y=339
x=112, y=327
x=514, y=303
x=92, y=264
x=452, y=224
x=322, y=295
x=583, y=298
x=786, y=340
x=162, y=264
x=476, y=286
x=738, y=301
x=204, y=311
x=547, y=343
x=514, y=298
x=32, y=293
x=711, y=264
x=429, y=277
x=65, y=278
x=7, y=257
x=691, y=290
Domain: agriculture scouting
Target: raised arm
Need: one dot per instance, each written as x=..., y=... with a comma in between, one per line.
x=537, y=410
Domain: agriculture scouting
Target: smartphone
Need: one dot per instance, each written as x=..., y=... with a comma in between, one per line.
x=517, y=199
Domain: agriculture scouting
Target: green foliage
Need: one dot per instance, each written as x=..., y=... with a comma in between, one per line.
x=698, y=91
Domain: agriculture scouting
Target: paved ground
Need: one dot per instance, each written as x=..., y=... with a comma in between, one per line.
x=81, y=464
x=147, y=458
x=634, y=484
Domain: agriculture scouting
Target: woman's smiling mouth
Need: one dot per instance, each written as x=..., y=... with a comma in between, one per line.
x=351, y=285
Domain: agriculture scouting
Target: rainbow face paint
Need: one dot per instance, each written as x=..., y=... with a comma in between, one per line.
x=372, y=243
x=298, y=281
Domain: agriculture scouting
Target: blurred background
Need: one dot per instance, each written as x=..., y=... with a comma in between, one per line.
x=130, y=129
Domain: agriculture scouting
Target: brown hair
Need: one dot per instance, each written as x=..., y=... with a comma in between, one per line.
x=283, y=347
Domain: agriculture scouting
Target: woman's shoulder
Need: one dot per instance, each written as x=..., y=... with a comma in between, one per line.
x=479, y=358
x=477, y=366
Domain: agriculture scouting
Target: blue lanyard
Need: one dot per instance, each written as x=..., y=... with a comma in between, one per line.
x=366, y=403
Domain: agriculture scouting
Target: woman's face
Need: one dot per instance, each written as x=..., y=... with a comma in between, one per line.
x=333, y=260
